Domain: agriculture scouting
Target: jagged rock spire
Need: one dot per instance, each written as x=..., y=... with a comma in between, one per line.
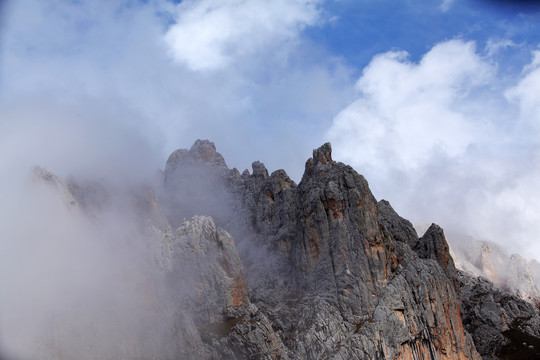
x=203, y=152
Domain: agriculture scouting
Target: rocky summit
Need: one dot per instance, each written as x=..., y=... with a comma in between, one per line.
x=256, y=266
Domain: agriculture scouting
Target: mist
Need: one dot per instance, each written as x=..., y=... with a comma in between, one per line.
x=77, y=281
x=78, y=277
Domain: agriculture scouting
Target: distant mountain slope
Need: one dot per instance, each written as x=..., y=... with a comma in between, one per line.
x=509, y=272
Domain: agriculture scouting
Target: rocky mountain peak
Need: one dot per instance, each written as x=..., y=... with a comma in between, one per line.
x=323, y=154
x=259, y=170
x=202, y=152
x=322, y=159
x=488, y=259
x=258, y=267
x=433, y=245
x=195, y=183
x=176, y=157
x=205, y=150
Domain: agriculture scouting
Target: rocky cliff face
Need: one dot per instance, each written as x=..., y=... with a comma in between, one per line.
x=258, y=267
x=353, y=281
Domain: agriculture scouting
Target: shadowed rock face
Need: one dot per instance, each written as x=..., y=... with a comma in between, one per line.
x=398, y=228
x=503, y=325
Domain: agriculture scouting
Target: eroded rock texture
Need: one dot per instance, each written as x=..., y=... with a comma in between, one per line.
x=255, y=266
x=503, y=325
x=330, y=272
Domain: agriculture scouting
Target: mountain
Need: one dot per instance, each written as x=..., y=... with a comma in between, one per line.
x=255, y=266
x=510, y=272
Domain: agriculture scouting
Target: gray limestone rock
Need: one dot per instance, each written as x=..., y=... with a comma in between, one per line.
x=207, y=267
x=195, y=184
x=339, y=248
x=207, y=278
x=399, y=228
x=258, y=267
x=433, y=245
x=337, y=277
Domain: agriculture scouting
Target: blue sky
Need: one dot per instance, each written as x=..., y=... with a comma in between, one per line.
x=435, y=102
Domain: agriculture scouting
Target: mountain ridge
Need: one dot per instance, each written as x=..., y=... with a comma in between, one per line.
x=313, y=270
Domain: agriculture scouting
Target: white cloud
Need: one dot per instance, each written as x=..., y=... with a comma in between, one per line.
x=445, y=6
x=414, y=107
x=493, y=46
x=94, y=55
x=444, y=141
x=210, y=34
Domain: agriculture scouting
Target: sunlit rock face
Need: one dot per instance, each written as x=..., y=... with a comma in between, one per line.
x=252, y=265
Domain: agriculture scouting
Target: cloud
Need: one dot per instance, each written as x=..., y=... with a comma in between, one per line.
x=92, y=85
x=493, y=46
x=211, y=34
x=446, y=4
x=408, y=111
x=525, y=93
x=446, y=140
x=92, y=55
x=64, y=273
x=84, y=140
